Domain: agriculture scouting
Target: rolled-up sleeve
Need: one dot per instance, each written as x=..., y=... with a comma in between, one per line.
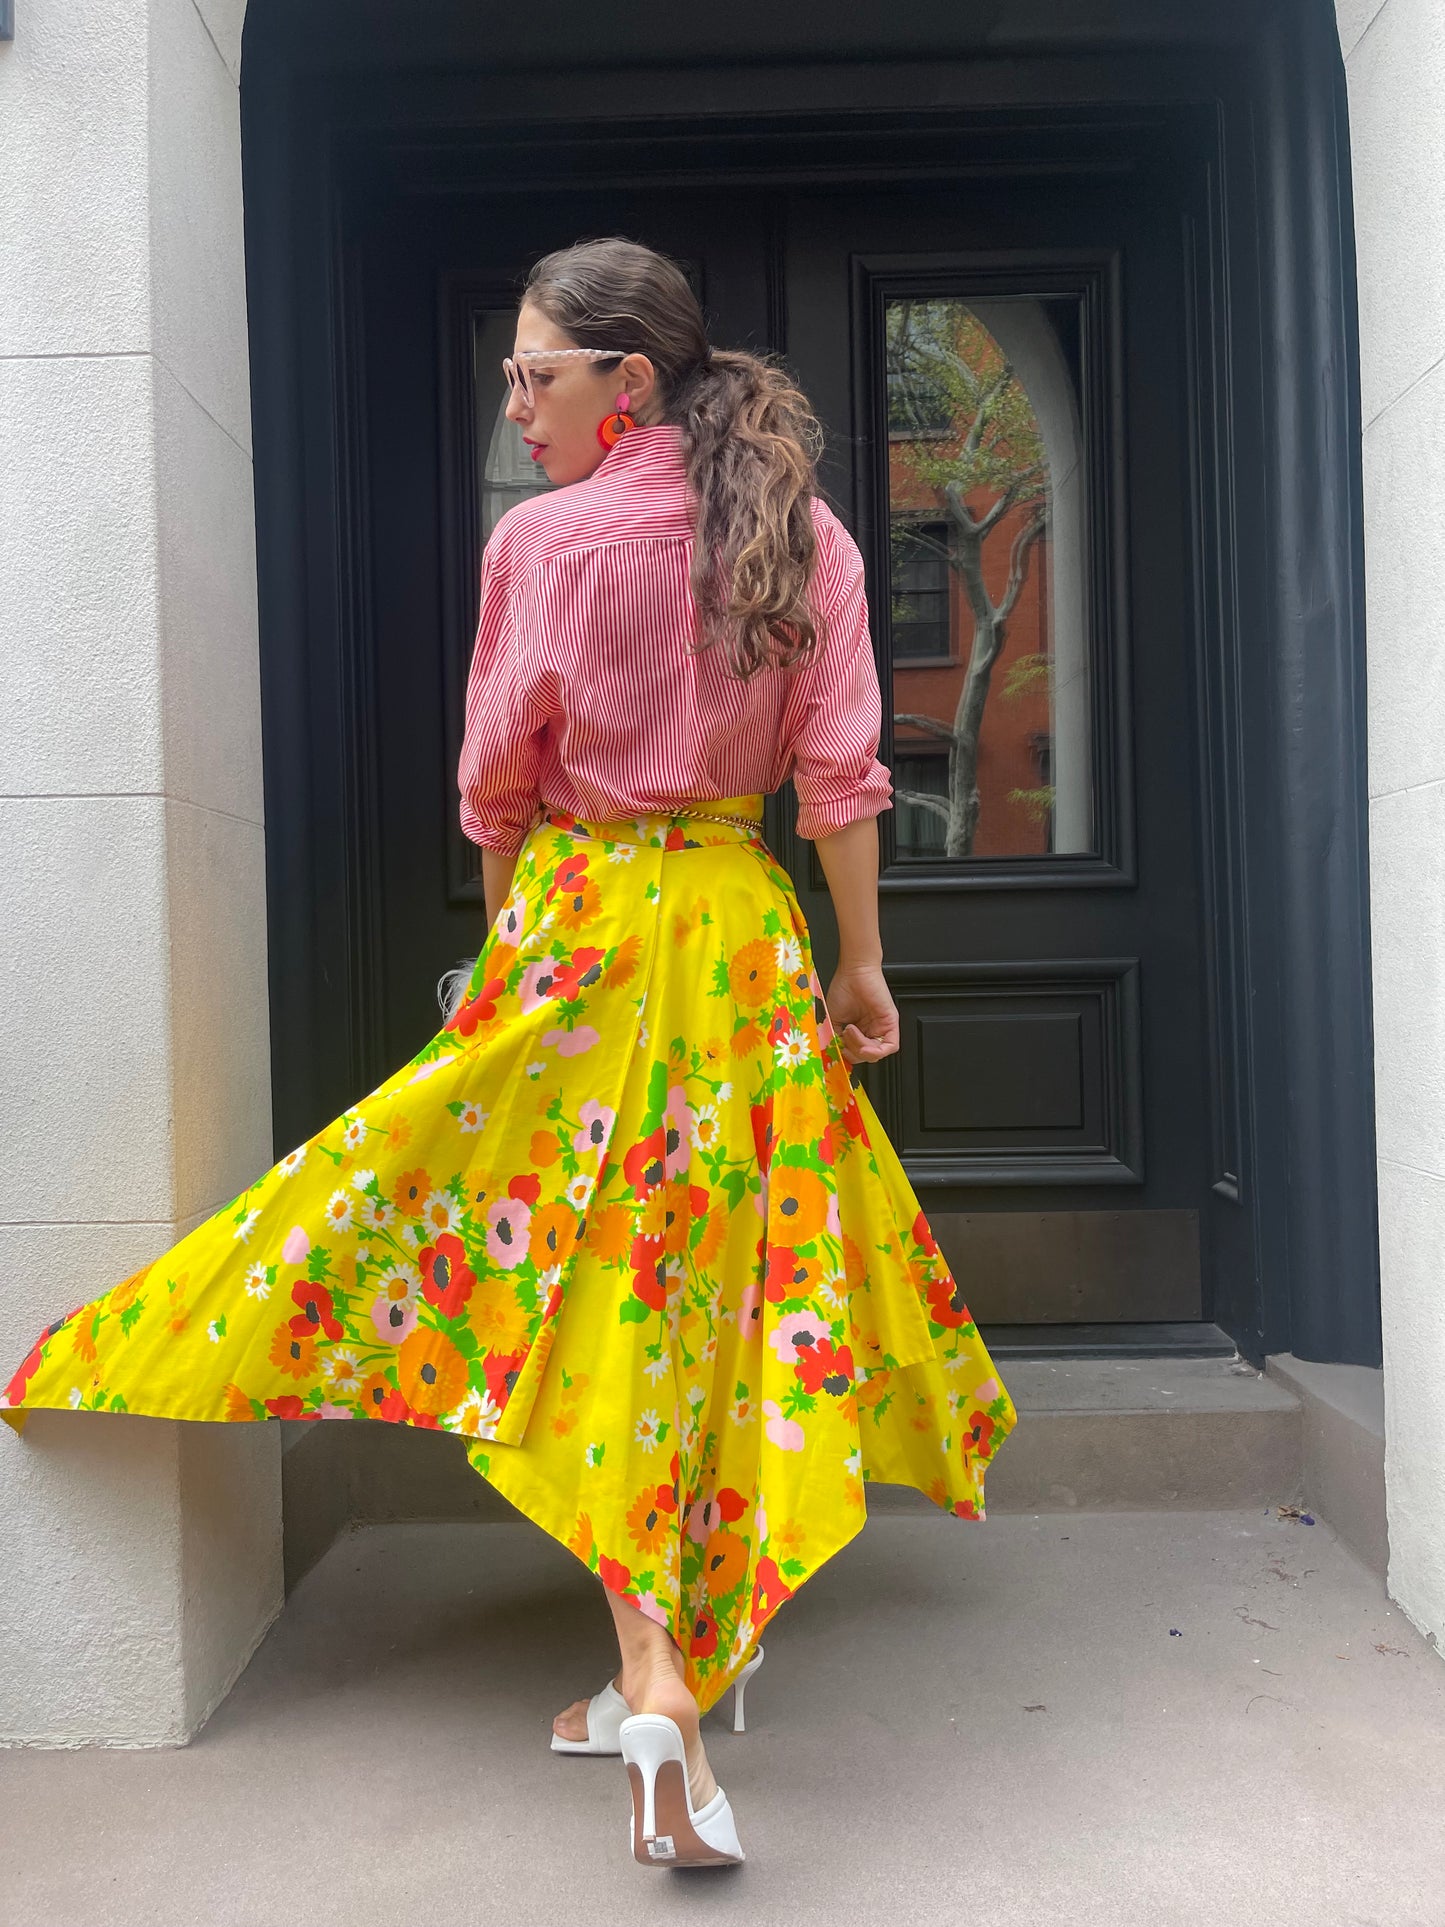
x=505, y=718
x=836, y=771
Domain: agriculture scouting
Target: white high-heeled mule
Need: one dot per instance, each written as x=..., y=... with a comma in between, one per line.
x=608, y=1709
x=666, y=1830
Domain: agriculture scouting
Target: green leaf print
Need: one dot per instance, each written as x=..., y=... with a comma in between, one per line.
x=734, y=1184
x=632, y=1311
x=318, y=1264
x=131, y=1313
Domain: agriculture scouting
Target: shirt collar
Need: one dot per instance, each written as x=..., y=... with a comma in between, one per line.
x=652, y=446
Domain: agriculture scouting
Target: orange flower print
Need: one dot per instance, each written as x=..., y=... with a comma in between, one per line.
x=410, y=1192
x=398, y=1134
x=552, y=1234
x=238, y=1406
x=650, y=1516
x=431, y=1373
x=83, y=1343
x=624, y=965
x=580, y=1540
x=710, y=1244
x=746, y=1040
x=798, y=1198
x=543, y=1149
x=724, y=1561
x=292, y=1353
x=609, y=1233
x=753, y=973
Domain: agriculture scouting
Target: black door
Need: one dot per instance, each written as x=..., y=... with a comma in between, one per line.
x=1002, y=378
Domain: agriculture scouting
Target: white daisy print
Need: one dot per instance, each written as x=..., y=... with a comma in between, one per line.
x=623, y=853
x=338, y=1211
x=342, y=1367
x=355, y=1134
x=246, y=1226
x=789, y=956
x=578, y=1192
x=724, y=1092
x=73, y=1397
x=645, y=1434
x=216, y=1330
x=440, y=1215
x=853, y=1465
x=363, y=1180
x=376, y=1214
x=536, y=1070
x=793, y=1049
x=472, y=1117
x=476, y=1417
x=706, y=1128
x=656, y=1368
x=293, y=1160
x=593, y=1455
x=258, y=1282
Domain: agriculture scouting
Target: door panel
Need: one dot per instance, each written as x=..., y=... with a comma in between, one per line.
x=1002, y=377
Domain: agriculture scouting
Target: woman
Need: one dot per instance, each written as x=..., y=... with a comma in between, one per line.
x=623, y=1224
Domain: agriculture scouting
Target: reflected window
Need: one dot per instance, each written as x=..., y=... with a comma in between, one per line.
x=987, y=628
x=506, y=473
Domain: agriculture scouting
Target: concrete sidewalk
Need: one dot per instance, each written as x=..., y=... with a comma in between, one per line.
x=1068, y=1718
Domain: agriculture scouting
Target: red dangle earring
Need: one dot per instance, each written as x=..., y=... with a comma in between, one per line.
x=615, y=426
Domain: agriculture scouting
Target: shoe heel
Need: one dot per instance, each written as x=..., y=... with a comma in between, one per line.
x=740, y=1685
x=649, y=1743
x=666, y=1830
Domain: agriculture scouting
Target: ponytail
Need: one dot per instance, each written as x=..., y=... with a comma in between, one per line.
x=752, y=445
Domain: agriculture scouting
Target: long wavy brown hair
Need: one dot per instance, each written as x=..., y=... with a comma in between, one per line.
x=750, y=439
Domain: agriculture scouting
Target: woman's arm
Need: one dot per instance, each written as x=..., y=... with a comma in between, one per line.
x=496, y=881
x=860, y=1006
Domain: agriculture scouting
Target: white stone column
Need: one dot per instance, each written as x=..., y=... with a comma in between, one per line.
x=1395, y=66
x=142, y=1558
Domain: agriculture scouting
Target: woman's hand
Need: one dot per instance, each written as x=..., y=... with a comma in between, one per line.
x=862, y=1012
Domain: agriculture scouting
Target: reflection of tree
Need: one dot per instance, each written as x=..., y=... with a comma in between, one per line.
x=947, y=373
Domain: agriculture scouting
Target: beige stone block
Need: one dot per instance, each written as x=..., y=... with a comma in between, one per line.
x=78, y=585
x=1407, y=917
x=198, y=266
x=85, y=1127
x=1396, y=76
x=1412, y=1291
x=210, y=660
x=220, y=1050
x=1404, y=472
x=74, y=216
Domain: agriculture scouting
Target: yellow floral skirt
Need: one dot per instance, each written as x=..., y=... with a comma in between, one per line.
x=624, y=1224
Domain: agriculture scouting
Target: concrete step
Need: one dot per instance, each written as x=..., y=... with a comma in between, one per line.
x=1113, y=1433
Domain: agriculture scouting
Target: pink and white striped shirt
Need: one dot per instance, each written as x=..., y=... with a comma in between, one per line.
x=584, y=691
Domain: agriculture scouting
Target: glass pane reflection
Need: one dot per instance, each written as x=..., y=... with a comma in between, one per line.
x=986, y=595
x=506, y=473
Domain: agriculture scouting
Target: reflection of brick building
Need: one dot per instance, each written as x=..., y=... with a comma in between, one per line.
x=932, y=636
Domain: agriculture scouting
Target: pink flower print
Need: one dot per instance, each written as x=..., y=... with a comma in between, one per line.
x=571, y=1043
x=513, y=917
x=785, y=1433
x=327, y=1410
x=833, y=1222
x=649, y=1603
x=597, y=1121
x=703, y=1519
x=508, y=1222
x=986, y=1393
x=750, y=1308
x=796, y=1333
x=677, y=1132
x=296, y=1247
x=394, y=1308
x=537, y=982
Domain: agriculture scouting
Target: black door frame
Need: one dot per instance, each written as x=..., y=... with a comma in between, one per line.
x=1281, y=715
